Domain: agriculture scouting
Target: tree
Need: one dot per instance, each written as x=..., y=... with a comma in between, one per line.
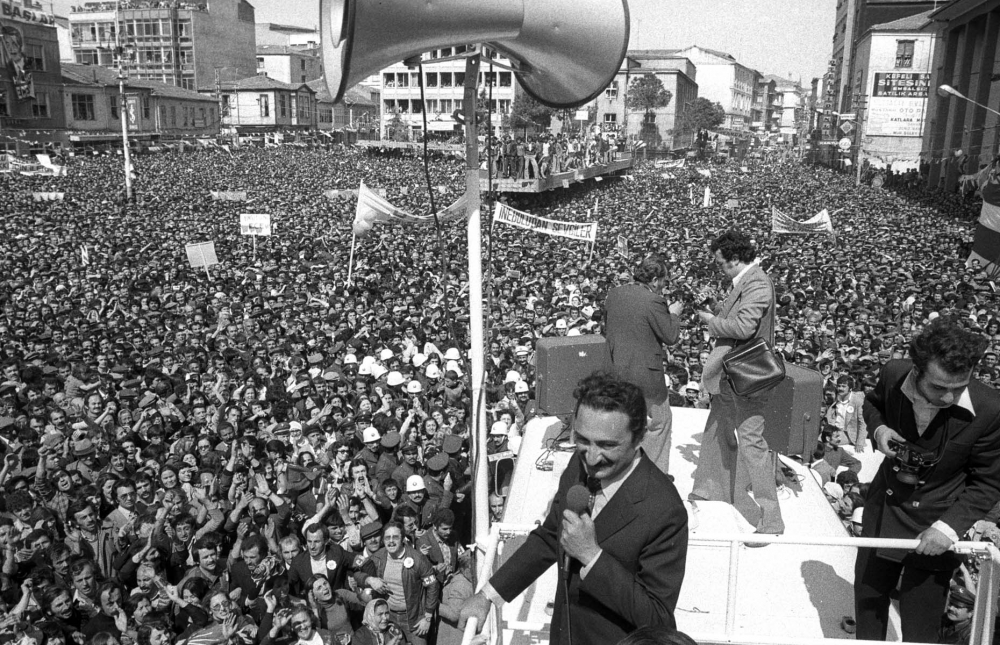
x=700, y=113
x=526, y=112
x=647, y=94
x=397, y=130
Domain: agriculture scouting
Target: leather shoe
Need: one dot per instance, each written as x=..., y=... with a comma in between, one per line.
x=757, y=545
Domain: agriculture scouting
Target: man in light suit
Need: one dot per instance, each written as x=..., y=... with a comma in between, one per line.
x=933, y=403
x=845, y=415
x=626, y=556
x=639, y=323
x=734, y=457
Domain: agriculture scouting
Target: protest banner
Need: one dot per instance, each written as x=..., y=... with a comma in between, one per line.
x=48, y=197
x=818, y=223
x=229, y=195
x=669, y=163
x=583, y=231
x=373, y=208
x=732, y=203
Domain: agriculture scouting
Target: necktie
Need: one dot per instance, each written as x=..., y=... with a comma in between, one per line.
x=594, y=486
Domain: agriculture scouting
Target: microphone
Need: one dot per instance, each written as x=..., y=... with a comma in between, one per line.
x=578, y=501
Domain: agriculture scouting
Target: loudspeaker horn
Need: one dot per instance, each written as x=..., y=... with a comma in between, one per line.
x=566, y=51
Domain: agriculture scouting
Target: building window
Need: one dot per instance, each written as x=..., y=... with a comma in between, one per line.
x=265, y=108
x=302, y=64
x=163, y=116
x=505, y=79
x=34, y=58
x=431, y=79
x=612, y=91
x=113, y=101
x=145, y=107
x=87, y=57
x=281, y=105
x=185, y=116
x=260, y=62
x=40, y=106
x=904, y=53
x=611, y=117
x=432, y=106
x=649, y=117
x=173, y=116
x=83, y=107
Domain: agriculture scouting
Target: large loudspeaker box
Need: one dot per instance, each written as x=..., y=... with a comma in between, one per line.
x=560, y=363
x=792, y=416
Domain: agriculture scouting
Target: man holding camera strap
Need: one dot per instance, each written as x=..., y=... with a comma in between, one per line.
x=940, y=432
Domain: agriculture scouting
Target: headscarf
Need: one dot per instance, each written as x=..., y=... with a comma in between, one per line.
x=371, y=621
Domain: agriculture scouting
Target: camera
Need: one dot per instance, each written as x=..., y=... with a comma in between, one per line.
x=911, y=462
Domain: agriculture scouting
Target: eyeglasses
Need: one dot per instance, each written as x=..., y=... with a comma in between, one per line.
x=225, y=604
x=302, y=625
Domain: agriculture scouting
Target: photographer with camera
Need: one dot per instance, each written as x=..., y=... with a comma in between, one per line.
x=940, y=432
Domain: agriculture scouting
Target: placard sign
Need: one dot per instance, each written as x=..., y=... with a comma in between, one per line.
x=255, y=224
x=201, y=254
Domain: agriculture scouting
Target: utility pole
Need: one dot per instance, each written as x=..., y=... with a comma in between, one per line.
x=123, y=107
x=218, y=94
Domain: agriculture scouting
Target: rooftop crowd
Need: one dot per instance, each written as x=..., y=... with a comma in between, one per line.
x=246, y=454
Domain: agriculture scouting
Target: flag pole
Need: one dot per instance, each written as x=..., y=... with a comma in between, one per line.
x=350, y=262
x=480, y=505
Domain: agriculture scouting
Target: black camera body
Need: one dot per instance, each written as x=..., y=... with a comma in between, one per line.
x=911, y=462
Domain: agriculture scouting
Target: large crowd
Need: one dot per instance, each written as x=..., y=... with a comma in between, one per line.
x=231, y=454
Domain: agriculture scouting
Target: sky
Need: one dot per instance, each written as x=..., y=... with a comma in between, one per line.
x=778, y=37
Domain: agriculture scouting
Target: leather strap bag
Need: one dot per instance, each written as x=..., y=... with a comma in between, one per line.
x=754, y=367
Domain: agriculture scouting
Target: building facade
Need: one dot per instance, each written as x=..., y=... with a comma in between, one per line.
x=289, y=64
x=962, y=136
x=259, y=104
x=170, y=41
x=444, y=89
x=723, y=80
x=30, y=78
x=892, y=68
x=92, y=102
x=357, y=110
x=790, y=118
x=660, y=128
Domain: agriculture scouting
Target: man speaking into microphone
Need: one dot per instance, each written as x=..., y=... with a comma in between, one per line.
x=622, y=551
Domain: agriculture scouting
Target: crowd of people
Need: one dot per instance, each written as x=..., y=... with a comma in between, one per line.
x=265, y=450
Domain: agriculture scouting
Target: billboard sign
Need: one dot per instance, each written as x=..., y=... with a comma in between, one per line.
x=898, y=104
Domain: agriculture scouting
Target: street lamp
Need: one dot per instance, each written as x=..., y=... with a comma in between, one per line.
x=945, y=90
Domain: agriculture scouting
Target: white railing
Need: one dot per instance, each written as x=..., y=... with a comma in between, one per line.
x=983, y=616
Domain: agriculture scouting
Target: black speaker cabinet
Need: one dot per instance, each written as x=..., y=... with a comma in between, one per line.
x=560, y=363
x=792, y=417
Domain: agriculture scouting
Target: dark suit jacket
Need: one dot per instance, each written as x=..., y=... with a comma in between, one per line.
x=638, y=325
x=958, y=490
x=301, y=570
x=854, y=421
x=747, y=313
x=636, y=580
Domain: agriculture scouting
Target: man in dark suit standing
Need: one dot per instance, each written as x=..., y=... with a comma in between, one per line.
x=932, y=403
x=626, y=556
x=728, y=468
x=639, y=323
x=319, y=556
